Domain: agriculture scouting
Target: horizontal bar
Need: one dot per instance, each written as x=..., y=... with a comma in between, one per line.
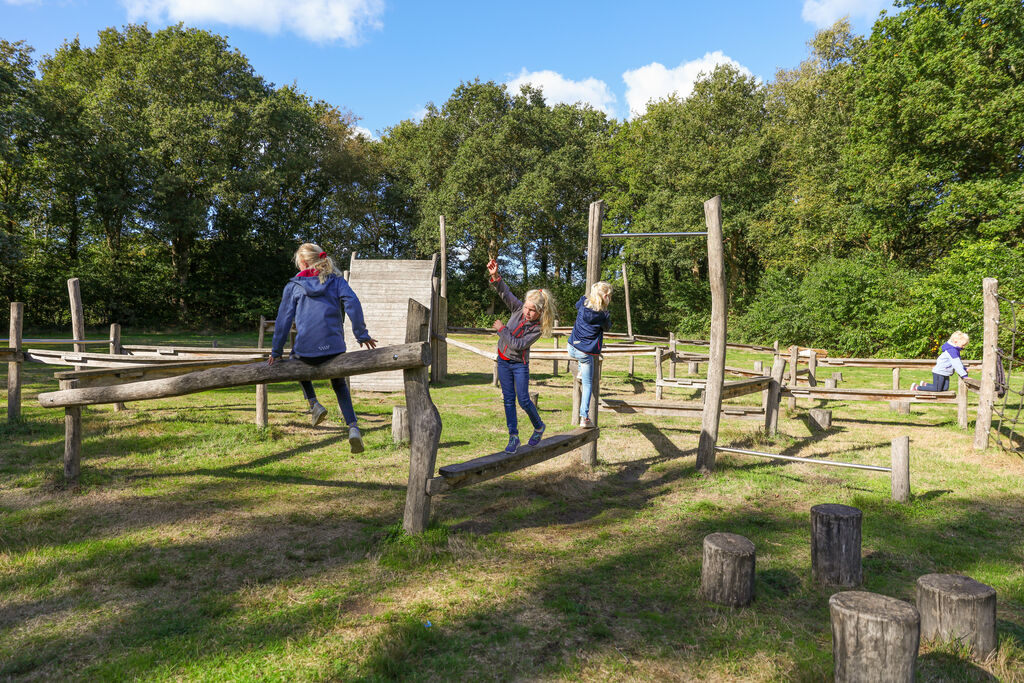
x=652, y=234
x=873, y=468
x=57, y=341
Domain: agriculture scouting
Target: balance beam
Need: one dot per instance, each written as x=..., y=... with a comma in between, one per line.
x=498, y=464
x=692, y=409
x=871, y=395
x=105, y=377
x=397, y=357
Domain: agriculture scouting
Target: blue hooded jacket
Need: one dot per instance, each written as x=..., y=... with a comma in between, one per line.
x=949, y=361
x=317, y=310
x=588, y=332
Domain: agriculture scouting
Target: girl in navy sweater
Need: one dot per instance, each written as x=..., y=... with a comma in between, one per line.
x=592, y=321
x=316, y=299
x=947, y=363
x=530, y=318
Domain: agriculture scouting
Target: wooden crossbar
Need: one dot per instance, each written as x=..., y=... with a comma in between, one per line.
x=906, y=363
x=103, y=377
x=871, y=395
x=498, y=464
x=692, y=409
x=472, y=349
x=106, y=360
x=11, y=356
x=142, y=349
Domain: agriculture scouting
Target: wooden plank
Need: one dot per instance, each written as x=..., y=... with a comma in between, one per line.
x=11, y=356
x=692, y=409
x=743, y=387
x=498, y=464
x=886, y=363
x=105, y=360
x=138, y=349
x=104, y=377
x=347, y=364
x=870, y=395
x=469, y=347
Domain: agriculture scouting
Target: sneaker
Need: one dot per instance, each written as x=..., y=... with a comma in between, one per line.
x=913, y=387
x=585, y=423
x=355, y=439
x=317, y=414
x=513, y=443
x=537, y=435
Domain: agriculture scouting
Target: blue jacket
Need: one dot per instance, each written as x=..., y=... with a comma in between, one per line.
x=317, y=310
x=948, y=361
x=588, y=332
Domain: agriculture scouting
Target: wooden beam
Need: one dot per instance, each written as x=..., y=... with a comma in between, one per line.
x=105, y=360
x=105, y=377
x=692, y=409
x=886, y=363
x=13, y=365
x=870, y=395
x=397, y=357
x=772, y=399
x=589, y=453
x=742, y=387
x=469, y=347
x=498, y=464
x=716, y=345
x=424, y=425
x=990, y=356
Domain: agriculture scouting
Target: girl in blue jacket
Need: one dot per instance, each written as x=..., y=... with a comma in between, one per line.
x=947, y=363
x=315, y=300
x=592, y=321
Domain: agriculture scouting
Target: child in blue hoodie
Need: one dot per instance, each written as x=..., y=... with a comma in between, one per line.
x=592, y=320
x=316, y=299
x=948, y=362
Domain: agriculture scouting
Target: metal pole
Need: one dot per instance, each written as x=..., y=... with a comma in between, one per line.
x=873, y=468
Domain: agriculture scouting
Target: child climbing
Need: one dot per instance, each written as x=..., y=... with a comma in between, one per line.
x=530, y=318
x=592, y=320
x=948, y=362
x=316, y=299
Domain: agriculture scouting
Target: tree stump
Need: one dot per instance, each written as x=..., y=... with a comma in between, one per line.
x=727, y=572
x=399, y=424
x=693, y=367
x=958, y=608
x=821, y=419
x=835, y=545
x=838, y=375
x=900, y=474
x=899, y=407
x=830, y=383
x=874, y=638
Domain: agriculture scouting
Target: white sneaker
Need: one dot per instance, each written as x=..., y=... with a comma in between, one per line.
x=355, y=439
x=585, y=423
x=913, y=387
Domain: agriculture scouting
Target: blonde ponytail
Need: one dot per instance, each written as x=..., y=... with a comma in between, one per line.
x=598, y=291
x=316, y=258
x=544, y=300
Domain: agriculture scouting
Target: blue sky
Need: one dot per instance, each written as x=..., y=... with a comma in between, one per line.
x=384, y=60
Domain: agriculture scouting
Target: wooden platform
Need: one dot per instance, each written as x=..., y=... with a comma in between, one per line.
x=693, y=409
x=384, y=288
x=497, y=464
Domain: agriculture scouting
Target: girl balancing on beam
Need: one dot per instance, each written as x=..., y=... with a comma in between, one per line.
x=316, y=299
x=530, y=318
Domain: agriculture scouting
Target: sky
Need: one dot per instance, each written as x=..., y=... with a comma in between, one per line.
x=385, y=60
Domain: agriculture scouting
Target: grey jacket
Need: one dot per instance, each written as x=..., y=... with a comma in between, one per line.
x=518, y=334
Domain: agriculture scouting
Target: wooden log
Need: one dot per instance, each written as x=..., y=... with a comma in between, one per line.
x=588, y=455
x=830, y=383
x=875, y=638
x=793, y=360
x=501, y=463
x=692, y=368
x=116, y=350
x=535, y=398
x=77, y=313
x=262, y=399
x=397, y=357
x=105, y=377
x=689, y=409
x=961, y=404
x=629, y=313
x=990, y=356
x=835, y=545
x=759, y=366
x=672, y=355
x=900, y=466
x=577, y=396
x=424, y=424
x=904, y=395
x=742, y=387
x=812, y=369
x=903, y=407
x=958, y=608
x=820, y=419
x=442, y=233
x=716, y=345
x=773, y=398
x=14, y=367
x=72, y=437
x=727, y=571
x=399, y=424
x=658, y=377
x=441, y=340
x=896, y=378
x=495, y=381
x=837, y=375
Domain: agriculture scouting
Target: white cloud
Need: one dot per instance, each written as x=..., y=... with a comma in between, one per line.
x=365, y=132
x=318, y=20
x=824, y=13
x=656, y=82
x=420, y=114
x=560, y=90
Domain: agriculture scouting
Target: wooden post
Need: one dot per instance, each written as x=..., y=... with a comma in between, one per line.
x=77, y=315
x=727, y=570
x=716, y=344
x=758, y=366
x=961, y=403
x=672, y=359
x=771, y=403
x=830, y=383
x=535, y=398
x=658, y=378
x=629, y=314
x=835, y=545
x=837, y=375
x=812, y=369
x=399, y=424
x=116, y=349
x=424, y=426
x=494, y=378
x=14, y=367
x=989, y=358
x=958, y=608
x=262, y=332
x=794, y=360
x=900, y=474
x=262, y=404
x=895, y=379
x=442, y=306
x=72, y=436
x=554, y=363
x=820, y=419
x=874, y=638
x=589, y=451
x=693, y=367
x=444, y=258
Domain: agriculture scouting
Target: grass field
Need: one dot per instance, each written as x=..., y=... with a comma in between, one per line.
x=199, y=547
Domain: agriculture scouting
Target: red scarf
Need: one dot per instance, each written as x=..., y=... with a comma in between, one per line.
x=308, y=272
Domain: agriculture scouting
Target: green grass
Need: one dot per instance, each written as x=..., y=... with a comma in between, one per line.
x=198, y=547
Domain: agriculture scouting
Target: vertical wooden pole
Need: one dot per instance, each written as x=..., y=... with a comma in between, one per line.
x=589, y=450
x=436, y=334
x=901, y=469
x=989, y=358
x=672, y=359
x=716, y=344
x=424, y=426
x=262, y=404
x=961, y=403
x=14, y=367
x=72, y=436
x=794, y=359
x=629, y=315
x=895, y=379
x=658, y=377
x=261, y=333
x=442, y=310
x=812, y=369
x=116, y=349
x=444, y=258
x=577, y=396
x=772, y=397
x=77, y=315
x=554, y=363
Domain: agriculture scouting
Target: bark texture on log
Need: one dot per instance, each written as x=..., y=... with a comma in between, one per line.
x=727, y=572
x=835, y=545
x=399, y=424
x=875, y=638
x=424, y=425
x=958, y=608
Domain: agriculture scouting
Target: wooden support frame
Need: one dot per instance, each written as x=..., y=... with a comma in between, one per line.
x=424, y=424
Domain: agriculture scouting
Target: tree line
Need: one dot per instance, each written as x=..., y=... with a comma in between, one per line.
x=866, y=191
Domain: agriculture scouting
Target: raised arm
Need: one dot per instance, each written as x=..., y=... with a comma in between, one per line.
x=501, y=288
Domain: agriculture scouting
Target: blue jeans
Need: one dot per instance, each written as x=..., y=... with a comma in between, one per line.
x=586, y=363
x=339, y=385
x=515, y=384
x=939, y=383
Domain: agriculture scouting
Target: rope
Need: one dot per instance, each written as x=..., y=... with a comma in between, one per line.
x=1009, y=427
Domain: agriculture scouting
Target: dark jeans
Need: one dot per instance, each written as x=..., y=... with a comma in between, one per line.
x=515, y=384
x=939, y=383
x=339, y=385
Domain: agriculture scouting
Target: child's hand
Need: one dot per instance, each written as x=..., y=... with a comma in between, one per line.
x=369, y=343
x=270, y=361
x=497, y=325
x=492, y=268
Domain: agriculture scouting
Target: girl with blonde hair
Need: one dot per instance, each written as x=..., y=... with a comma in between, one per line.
x=316, y=299
x=530, y=318
x=947, y=363
x=592, y=321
